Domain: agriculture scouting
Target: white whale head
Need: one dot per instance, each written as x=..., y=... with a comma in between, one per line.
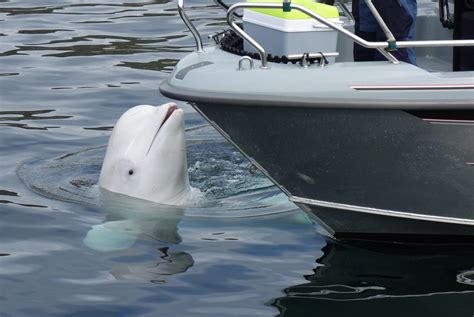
x=146, y=155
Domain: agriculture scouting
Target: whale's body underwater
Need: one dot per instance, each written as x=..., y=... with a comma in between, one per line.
x=146, y=156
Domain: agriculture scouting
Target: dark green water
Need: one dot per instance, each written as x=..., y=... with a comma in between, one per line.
x=68, y=70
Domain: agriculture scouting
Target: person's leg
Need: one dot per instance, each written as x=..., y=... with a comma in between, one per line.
x=463, y=30
x=399, y=15
x=364, y=28
x=412, y=8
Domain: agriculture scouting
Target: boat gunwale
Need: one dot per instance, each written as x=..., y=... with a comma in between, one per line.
x=381, y=212
x=243, y=99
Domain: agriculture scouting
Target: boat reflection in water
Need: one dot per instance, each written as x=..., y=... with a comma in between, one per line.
x=381, y=280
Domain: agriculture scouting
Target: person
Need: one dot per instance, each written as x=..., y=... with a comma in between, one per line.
x=463, y=30
x=399, y=15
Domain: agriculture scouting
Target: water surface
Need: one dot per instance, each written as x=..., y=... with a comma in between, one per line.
x=68, y=70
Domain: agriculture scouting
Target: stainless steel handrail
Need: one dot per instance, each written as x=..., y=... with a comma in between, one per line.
x=261, y=51
x=388, y=56
x=221, y=4
x=345, y=10
x=374, y=45
x=190, y=25
x=380, y=21
x=245, y=58
x=313, y=55
x=225, y=7
x=390, y=38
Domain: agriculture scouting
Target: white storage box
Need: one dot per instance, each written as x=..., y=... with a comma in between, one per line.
x=283, y=33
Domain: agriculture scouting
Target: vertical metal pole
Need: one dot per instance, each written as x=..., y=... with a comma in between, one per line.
x=190, y=26
x=230, y=20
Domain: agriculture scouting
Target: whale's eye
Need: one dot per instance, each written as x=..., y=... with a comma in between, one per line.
x=130, y=172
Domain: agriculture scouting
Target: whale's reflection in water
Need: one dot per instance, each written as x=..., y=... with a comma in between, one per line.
x=168, y=263
x=128, y=219
x=128, y=222
x=386, y=280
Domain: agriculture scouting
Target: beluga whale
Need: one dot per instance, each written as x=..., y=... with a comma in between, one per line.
x=146, y=156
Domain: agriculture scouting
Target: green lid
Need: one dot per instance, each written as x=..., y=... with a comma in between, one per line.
x=324, y=10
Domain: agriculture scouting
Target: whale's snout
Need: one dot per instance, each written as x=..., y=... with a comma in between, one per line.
x=172, y=108
x=171, y=119
x=167, y=111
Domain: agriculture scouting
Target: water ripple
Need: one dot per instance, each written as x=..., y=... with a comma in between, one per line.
x=6, y=118
x=214, y=167
x=69, y=69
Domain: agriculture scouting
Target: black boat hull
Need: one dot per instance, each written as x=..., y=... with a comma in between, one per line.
x=363, y=172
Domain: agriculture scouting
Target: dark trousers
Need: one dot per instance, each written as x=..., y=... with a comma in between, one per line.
x=463, y=57
x=399, y=15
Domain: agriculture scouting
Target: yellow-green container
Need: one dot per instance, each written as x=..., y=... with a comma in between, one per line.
x=284, y=33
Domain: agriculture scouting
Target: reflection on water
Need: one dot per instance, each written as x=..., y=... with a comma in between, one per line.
x=13, y=194
x=7, y=193
x=97, y=45
x=127, y=220
x=28, y=115
x=169, y=263
x=162, y=65
x=367, y=277
x=15, y=116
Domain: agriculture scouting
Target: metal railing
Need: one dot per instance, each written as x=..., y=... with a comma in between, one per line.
x=380, y=46
x=261, y=51
x=190, y=25
x=380, y=21
x=225, y=7
x=344, y=9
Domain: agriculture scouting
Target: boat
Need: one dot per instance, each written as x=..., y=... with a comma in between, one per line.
x=378, y=150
